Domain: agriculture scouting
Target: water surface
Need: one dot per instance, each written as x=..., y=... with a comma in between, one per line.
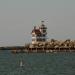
x=37, y=63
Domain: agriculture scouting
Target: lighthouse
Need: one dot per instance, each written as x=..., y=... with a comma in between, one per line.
x=39, y=34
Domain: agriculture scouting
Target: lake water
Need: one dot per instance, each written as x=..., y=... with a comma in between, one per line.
x=37, y=63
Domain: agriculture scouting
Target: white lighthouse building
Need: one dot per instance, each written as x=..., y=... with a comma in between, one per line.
x=39, y=34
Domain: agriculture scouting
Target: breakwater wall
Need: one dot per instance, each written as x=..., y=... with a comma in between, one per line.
x=49, y=46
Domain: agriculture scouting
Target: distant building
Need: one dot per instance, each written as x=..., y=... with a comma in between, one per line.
x=39, y=34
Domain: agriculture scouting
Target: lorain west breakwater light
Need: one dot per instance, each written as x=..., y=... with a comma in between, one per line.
x=40, y=43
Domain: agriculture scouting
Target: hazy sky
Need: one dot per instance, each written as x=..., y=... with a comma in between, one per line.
x=17, y=18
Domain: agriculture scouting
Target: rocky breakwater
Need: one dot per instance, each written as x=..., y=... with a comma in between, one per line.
x=52, y=46
x=48, y=46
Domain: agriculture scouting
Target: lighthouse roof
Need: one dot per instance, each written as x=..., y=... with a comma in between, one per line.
x=36, y=31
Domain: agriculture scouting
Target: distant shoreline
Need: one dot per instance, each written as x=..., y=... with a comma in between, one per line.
x=12, y=47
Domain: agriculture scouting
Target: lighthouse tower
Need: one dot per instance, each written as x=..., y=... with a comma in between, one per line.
x=43, y=30
x=39, y=34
